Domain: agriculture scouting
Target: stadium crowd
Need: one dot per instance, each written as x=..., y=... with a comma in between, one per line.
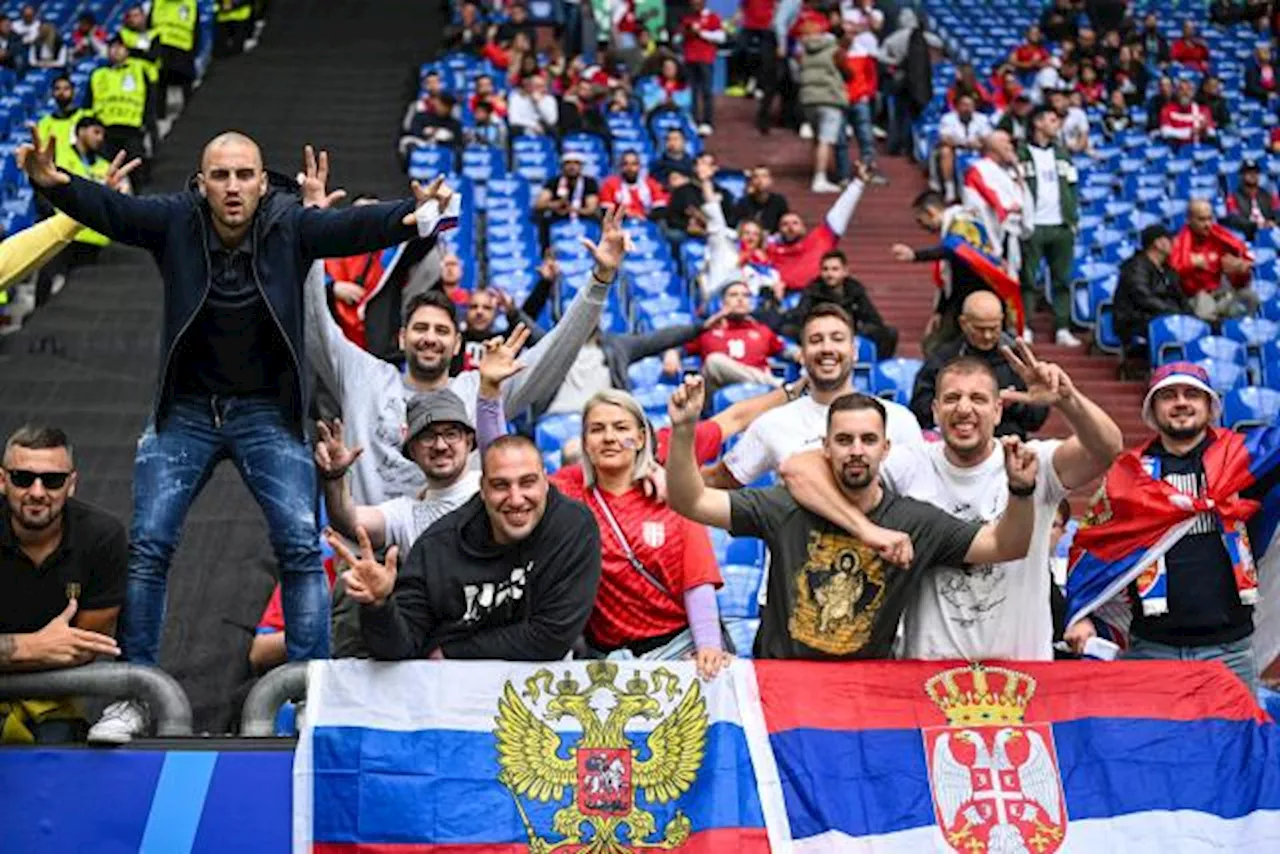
x=590, y=392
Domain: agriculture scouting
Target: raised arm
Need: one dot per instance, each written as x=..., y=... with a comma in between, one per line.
x=1097, y=439
x=497, y=365
x=139, y=222
x=333, y=460
x=1009, y=537
x=686, y=492
x=549, y=360
x=30, y=248
x=847, y=202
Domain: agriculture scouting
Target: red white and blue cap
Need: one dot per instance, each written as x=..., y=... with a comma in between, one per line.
x=1180, y=373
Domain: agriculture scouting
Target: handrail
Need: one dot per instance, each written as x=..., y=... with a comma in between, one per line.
x=258, y=716
x=164, y=697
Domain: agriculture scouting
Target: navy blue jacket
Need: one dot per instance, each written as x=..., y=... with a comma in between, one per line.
x=286, y=238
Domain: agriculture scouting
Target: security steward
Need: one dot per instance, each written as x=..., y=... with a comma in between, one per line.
x=120, y=96
x=234, y=27
x=61, y=123
x=178, y=24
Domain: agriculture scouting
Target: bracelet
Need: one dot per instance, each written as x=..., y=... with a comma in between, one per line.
x=789, y=389
x=1022, y=491
x=338, y=476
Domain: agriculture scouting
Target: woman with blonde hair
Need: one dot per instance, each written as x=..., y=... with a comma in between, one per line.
x=657, y=591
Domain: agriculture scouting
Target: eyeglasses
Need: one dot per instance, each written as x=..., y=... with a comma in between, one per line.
x=24, y=479
x=452, y=435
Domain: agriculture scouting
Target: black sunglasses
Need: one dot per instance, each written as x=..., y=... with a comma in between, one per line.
x=24, y=479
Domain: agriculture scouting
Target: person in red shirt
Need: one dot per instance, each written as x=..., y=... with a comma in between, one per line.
x=656, y=598
x=1091, y=89
x=737, y=348
x=1183, y=120
x=967, y=83
x=484, y=91
x=1031, y=55
x=1190, y=50
x=638, y=193
x=796, y=253
x=703, y=34
x=1204, y=253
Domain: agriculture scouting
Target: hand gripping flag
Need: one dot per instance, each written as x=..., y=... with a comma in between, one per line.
x=966, y=242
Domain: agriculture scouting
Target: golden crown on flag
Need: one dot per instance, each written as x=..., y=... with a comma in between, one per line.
x=978, y=695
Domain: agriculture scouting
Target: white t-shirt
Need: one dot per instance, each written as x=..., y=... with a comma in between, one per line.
x=800, y=426
x=982, y=612
x=406, y=518
x=1048, y=203
x=1074, y=124
x=951, y=128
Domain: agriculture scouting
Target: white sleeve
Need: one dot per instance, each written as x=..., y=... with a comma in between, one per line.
x=949, y=127
x=397, y=521
x=903, y=466
x=336, y=358
x=751, y=457
x=1049, y=488
x=902, y=427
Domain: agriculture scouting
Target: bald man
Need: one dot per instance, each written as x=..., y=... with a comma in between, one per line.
x=233, y=253
x=982, y=332
x=1214, y=266
x=995, y=191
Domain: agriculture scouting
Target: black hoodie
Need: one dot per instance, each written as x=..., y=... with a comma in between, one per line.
x=462, y=593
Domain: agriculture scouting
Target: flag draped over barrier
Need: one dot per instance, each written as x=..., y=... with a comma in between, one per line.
x=784, y=757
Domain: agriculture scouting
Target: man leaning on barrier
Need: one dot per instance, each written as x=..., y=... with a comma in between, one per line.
x=62, y=576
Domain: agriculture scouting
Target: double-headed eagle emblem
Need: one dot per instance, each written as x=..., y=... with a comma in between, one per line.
x=605, y=769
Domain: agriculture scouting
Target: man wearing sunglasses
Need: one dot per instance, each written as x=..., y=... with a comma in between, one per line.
x=63, y=565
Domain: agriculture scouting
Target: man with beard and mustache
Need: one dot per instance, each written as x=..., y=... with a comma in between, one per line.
x=372, y=393
x=1204, y=614
x=826, y=346
x=832, y=595
x=63, y=565
x=60, y=124
x=984, y=610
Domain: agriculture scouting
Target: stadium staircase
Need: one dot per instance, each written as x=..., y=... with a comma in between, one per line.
x=903, y=292
x=330, y=72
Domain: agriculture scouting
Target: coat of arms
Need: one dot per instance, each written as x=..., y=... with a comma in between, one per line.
x=995, y=780
x=605, y=769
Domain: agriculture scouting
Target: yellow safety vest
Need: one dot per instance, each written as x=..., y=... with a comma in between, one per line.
x=63, y=130
x=135, y=40
x=176, y=21
x=120, y=94
x=230, y=11
x=97, y=172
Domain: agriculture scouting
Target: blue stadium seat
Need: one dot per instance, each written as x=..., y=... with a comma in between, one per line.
x=645, y=373
x=743, y=633
x=731, y=394
x=551, y=431
x=739, y=597
x=1104, y=331
x=482, y=163
x=747, y=551
x=1216, y=347
x=1167, y=336
x=1250, y=407
x=428, y=161
x=654, y=398
x=1224, y=376
x=658, y=312
x=894, y=378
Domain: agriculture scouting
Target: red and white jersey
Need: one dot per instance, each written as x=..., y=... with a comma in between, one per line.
x=703, y=34
x=1185, y=123
x=747, y=341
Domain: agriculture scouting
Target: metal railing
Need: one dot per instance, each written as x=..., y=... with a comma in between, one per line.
x=168, y=703
x=287, y=682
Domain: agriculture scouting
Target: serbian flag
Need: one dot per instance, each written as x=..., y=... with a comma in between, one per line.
x=499, y=758
x=1160, y=757
x=965, y=242
x=1136, y=518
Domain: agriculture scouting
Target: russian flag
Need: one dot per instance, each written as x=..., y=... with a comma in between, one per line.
x=498, y=758
x=1127, y=757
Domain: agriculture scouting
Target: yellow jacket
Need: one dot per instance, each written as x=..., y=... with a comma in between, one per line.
x=30, y=248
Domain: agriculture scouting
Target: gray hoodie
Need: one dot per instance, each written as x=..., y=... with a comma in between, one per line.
x=893, y=50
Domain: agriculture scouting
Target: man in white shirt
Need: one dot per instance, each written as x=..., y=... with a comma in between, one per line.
x=1075, y=122
x=531, y=109
x=965, y=129
x=826, y=347
x=996, y=610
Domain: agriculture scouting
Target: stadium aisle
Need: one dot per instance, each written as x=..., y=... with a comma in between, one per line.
x=904, y=293
x=332, y=72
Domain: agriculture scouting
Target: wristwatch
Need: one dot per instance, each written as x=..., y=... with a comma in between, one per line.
x=789, y=389
x=1022, y=491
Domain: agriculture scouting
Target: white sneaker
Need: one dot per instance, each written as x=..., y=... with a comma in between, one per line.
x=1064, y=338
x=164, y=126
x=1027, y=336
x=705, y=130
x=822, y=185
x=806, y=131
x=57, y=284
x=120, y=722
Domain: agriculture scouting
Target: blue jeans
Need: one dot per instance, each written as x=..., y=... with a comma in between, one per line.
x=170, y=468
x=1237, y=656
x=701, y=75
x=858, y=122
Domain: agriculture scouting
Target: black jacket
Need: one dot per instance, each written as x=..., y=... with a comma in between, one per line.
x=1144, y=292
x=460, y=592
x=853, y=298
x=767, y=213
x=285, y=237
x=1019, y=419
x=1253, y=87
